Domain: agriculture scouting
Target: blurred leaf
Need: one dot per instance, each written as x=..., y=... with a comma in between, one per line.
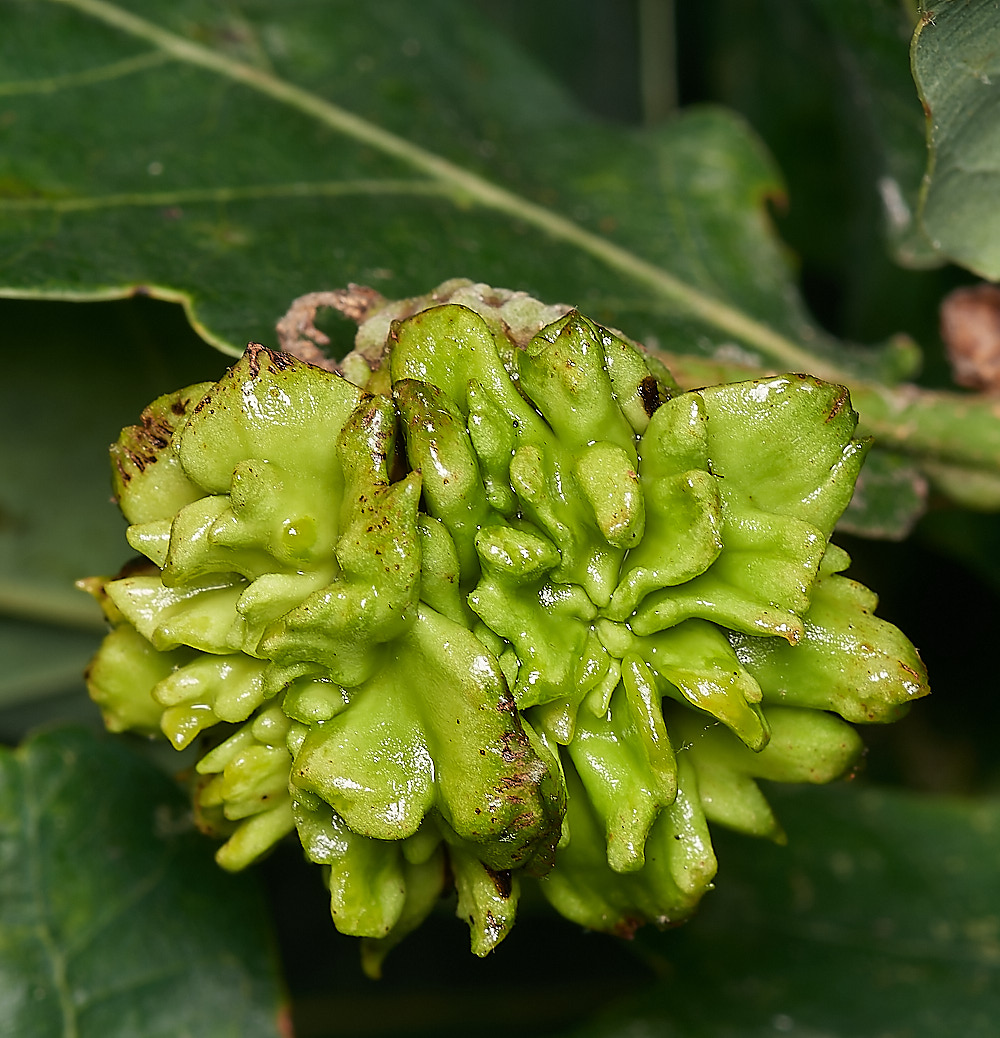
x=956, y=64
x=879, y=920
x=870, y=40
x=219, y=168
x=117, y=922
x=41, y=678
x=220, y=175
x=890, y=496
x=41, y=660
x=968, y=487
x=217, y=171
x=827, y=85
x=76, y=377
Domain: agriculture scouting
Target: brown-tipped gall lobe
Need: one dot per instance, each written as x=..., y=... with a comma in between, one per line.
x=501, y=607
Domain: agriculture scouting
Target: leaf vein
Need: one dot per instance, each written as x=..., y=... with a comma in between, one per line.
x=99, y=74
x=215, y=195
x=475, y=188
x=113, y=910
x=134, y=984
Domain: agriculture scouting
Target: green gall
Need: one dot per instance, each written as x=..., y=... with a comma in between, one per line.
x=505, y=609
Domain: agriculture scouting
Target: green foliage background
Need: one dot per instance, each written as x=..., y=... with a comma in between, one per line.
x=740, y=184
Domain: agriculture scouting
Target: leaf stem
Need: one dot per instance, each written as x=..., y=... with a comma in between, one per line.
x=50, y=605
x=471, y=188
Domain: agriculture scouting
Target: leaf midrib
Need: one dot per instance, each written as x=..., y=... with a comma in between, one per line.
x=468, y=187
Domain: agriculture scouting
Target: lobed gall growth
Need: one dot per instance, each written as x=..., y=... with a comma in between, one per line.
x=494, y=604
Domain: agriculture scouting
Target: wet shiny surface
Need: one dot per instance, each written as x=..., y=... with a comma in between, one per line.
x=578, y=621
